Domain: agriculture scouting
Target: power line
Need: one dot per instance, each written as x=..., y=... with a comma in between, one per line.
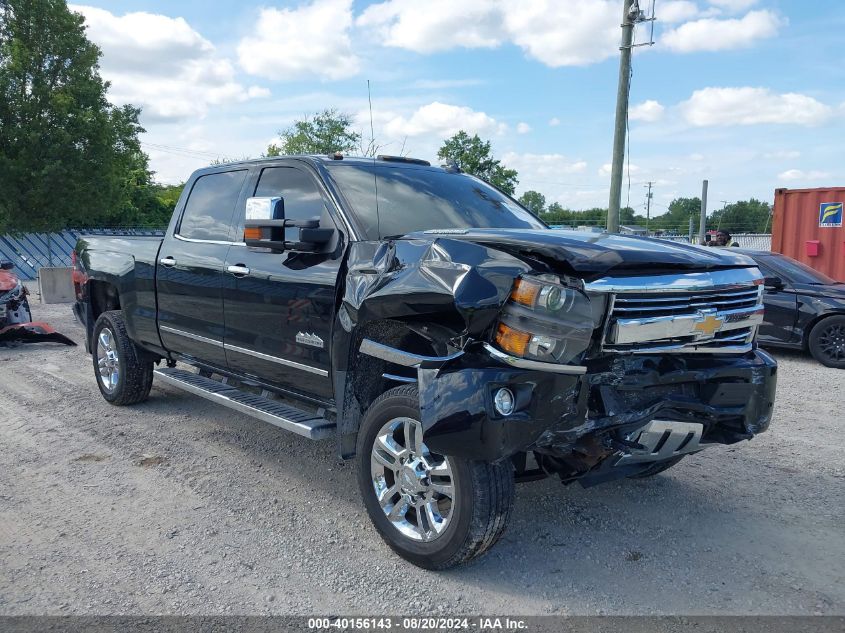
x=181, y=151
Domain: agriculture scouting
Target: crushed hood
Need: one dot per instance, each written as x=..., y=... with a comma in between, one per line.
x=598, y=253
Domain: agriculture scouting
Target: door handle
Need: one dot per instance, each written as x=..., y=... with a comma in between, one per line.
x=168, y=262
x=238, y=270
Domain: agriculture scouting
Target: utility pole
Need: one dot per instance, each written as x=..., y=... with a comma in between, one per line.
x=702, y=226
x=630, y=13
x=648, y=198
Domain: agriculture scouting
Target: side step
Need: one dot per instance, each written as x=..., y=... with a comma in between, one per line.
x=284, y=416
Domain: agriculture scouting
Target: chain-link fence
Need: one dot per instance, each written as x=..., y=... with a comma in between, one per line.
x=753, y=241
x=30, y=251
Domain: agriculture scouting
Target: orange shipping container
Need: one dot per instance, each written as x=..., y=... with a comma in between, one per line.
x=808, y=226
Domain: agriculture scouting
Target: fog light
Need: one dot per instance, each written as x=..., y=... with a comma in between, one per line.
x=503, y=401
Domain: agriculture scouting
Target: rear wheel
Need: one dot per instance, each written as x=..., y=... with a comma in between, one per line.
x=124, y=373
x=827, y=341
x=436, y=511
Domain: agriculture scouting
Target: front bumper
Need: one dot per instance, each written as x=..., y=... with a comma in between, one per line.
x=583, y=419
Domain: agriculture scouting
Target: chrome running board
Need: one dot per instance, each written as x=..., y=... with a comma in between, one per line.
x=284, y=416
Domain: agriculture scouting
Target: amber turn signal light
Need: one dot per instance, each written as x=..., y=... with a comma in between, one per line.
x=512, y=341
x=525, y=292
x=252, y=234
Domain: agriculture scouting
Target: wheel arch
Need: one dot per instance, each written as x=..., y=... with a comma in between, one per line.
x=808, y=328
x=102, y=296
x=368, y=376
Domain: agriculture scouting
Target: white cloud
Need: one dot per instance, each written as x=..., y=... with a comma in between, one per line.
x=677, y=11
x=712, y=34
x=799, y=174
x=162, y=65
x=523, y=128
x=749, y=106
x=441, y=120
x=733, y=5
x=540, y=168
x=607, y=168
x=309, y=41
x=648, y=111
x=554, y=122
x=696, y=156
x=572, y=33
x=435, y=25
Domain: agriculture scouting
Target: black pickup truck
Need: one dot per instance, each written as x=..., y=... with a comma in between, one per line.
x=448, y=340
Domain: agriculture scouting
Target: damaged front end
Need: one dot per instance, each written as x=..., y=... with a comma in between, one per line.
x=605, y=376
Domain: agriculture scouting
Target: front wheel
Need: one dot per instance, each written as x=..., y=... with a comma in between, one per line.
x=436, y=511
x=827, y=342
x=124, y=373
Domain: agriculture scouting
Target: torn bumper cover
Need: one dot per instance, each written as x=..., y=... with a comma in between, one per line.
x=585, y=416
x=35, y=332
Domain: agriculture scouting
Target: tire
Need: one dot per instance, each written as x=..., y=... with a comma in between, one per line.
x=656, y=469
x=471, y=521
x=827, y=341
x=131, y=375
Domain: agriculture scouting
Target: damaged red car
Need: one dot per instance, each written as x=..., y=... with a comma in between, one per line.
x=14, y=306
x=16, y=325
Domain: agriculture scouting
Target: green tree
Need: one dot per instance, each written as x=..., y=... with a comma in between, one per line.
x=534, y=201
x=627, y=216
x=677, y=217
x=67, y=157
x=325, y=132
x=474, y=156
x=168, y=195
x=744, y=216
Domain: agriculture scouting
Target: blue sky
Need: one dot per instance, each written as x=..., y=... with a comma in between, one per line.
x=749, y=94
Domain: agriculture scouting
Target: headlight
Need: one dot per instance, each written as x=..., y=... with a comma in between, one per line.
x=543, y=293
x=546, y=320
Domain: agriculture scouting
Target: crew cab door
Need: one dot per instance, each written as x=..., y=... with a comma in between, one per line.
x=189, y=271
x=279, y=307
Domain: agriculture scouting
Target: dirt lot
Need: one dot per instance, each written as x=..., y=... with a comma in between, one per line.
x=176, y=506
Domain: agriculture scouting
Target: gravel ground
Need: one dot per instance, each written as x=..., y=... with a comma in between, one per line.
x=178, y=506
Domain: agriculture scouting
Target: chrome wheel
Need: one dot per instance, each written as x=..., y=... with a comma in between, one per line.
x=108, y=363
x=831, y=342
x=414, y=486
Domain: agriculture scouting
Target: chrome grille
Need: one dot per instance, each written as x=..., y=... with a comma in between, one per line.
x=715, y=312
x=637, y=305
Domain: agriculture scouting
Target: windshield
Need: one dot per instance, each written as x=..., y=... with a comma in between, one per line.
x=420, y=199
x=796, y=272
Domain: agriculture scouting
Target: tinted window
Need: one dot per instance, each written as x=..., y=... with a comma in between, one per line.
x=303, y=200
x=208, y=212
x=796, y=272
x=411, y=199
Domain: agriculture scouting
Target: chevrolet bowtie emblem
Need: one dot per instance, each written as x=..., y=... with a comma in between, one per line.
x=708, y=325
